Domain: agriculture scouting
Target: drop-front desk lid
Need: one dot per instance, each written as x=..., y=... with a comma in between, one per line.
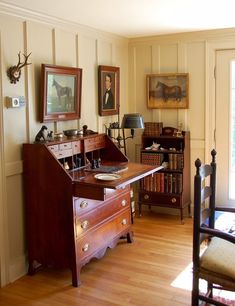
x=92, y=184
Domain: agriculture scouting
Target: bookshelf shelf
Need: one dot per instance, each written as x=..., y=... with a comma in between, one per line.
x=170, y=187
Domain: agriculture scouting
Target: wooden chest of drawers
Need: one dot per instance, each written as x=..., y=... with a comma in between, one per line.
x=99, y=224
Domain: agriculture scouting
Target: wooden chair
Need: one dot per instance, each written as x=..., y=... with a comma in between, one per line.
x=216, y=264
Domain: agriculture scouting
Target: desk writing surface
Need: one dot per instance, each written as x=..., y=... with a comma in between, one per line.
x=86, y=185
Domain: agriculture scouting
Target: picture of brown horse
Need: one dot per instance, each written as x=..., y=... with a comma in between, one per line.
x=170, y=92
x=63, y=91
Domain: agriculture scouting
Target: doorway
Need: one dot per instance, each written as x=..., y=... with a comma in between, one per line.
x=225, y=126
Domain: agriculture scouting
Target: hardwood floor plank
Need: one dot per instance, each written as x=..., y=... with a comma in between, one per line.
x=136, y=274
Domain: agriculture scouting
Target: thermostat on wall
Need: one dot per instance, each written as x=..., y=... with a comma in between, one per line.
x=14, y=102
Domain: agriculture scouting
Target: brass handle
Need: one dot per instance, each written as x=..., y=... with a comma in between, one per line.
x=173, y=200
x=84, y=224
x=146, y=196
x=123, y=203
x=84, y=204
x=85, y=248
x=124, y=222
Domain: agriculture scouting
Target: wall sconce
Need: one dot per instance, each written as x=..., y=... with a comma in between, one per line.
x=129, y=121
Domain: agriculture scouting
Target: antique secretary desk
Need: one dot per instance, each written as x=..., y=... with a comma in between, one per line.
x=72, y=213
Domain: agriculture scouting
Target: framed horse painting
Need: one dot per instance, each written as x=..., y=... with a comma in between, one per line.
x=167, y=90
x=61, y=93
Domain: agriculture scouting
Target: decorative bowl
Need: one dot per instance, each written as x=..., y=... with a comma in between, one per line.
x=69, y=133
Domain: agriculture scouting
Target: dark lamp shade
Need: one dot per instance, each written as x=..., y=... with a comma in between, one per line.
x=132, y=121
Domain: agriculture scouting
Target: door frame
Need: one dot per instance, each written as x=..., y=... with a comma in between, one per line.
x=210, y=98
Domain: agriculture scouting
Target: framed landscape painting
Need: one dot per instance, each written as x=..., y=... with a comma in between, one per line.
x=167, y=90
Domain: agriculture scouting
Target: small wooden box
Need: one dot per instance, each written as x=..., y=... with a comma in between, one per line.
x=153, y=128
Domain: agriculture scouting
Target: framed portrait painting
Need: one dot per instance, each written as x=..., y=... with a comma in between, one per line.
x=108, y=90
x=167, y=90
x=61, y=93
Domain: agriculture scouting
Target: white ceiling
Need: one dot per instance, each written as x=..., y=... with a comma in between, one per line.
x=134, y=18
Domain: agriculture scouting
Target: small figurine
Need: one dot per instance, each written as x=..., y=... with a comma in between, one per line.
x=86, y=131
x=50, y=135
x=41, y=134
x=155, y=146
x=179, y=131
x=66, y=166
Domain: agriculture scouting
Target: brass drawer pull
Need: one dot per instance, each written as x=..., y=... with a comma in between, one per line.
x=124, y=222
x=123, y=203
x=173, y=200
x=85, y=248
x=84, y=204
x=146, y=196
x=84, y=224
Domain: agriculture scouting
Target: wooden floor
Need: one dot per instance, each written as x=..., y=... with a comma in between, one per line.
x=130, y=274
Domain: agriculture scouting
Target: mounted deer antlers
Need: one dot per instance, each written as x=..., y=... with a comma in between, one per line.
x=14, y=72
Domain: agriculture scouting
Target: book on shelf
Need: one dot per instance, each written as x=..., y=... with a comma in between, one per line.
x=163, y=183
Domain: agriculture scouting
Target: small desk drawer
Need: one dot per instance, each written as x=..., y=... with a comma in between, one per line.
x=94, y=143
x=53, y=148
x=61, y=150
x=63, y=153
x=76, y=146
x=65, y=146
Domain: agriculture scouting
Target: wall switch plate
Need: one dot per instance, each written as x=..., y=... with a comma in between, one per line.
x=15, y=102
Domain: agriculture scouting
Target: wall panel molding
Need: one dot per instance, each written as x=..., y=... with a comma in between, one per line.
x=14, y=168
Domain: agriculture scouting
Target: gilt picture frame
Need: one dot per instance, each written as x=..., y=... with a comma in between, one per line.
x=108, y=90
x=61, y=93
x=169, y=91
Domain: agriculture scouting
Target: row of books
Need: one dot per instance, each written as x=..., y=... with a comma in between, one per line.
x=149, y=158
x=163, y=182
x=173, y=161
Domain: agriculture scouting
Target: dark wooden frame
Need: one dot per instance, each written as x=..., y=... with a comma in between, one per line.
x=115, y=74
x=176, y=94
x=70, y=99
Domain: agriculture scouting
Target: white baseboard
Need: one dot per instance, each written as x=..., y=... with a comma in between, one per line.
x=18, y=269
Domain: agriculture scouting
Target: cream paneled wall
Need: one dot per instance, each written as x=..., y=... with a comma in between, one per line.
x=164, y=54
x=51, y=42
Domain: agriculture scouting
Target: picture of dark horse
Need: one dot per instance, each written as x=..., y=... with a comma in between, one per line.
x=63, y=91
x=170, y=92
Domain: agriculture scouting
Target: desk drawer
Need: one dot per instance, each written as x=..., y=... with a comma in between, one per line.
x=160, y=199
x=83, y=205
x=63, y=153
x=85, y=222
x=100, y=237
x=65, y=146
x=94, y=143
x=62, y=150
x=76, y=146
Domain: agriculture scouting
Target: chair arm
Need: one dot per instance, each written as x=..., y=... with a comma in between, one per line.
x=218, y=233
x=225, y=209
